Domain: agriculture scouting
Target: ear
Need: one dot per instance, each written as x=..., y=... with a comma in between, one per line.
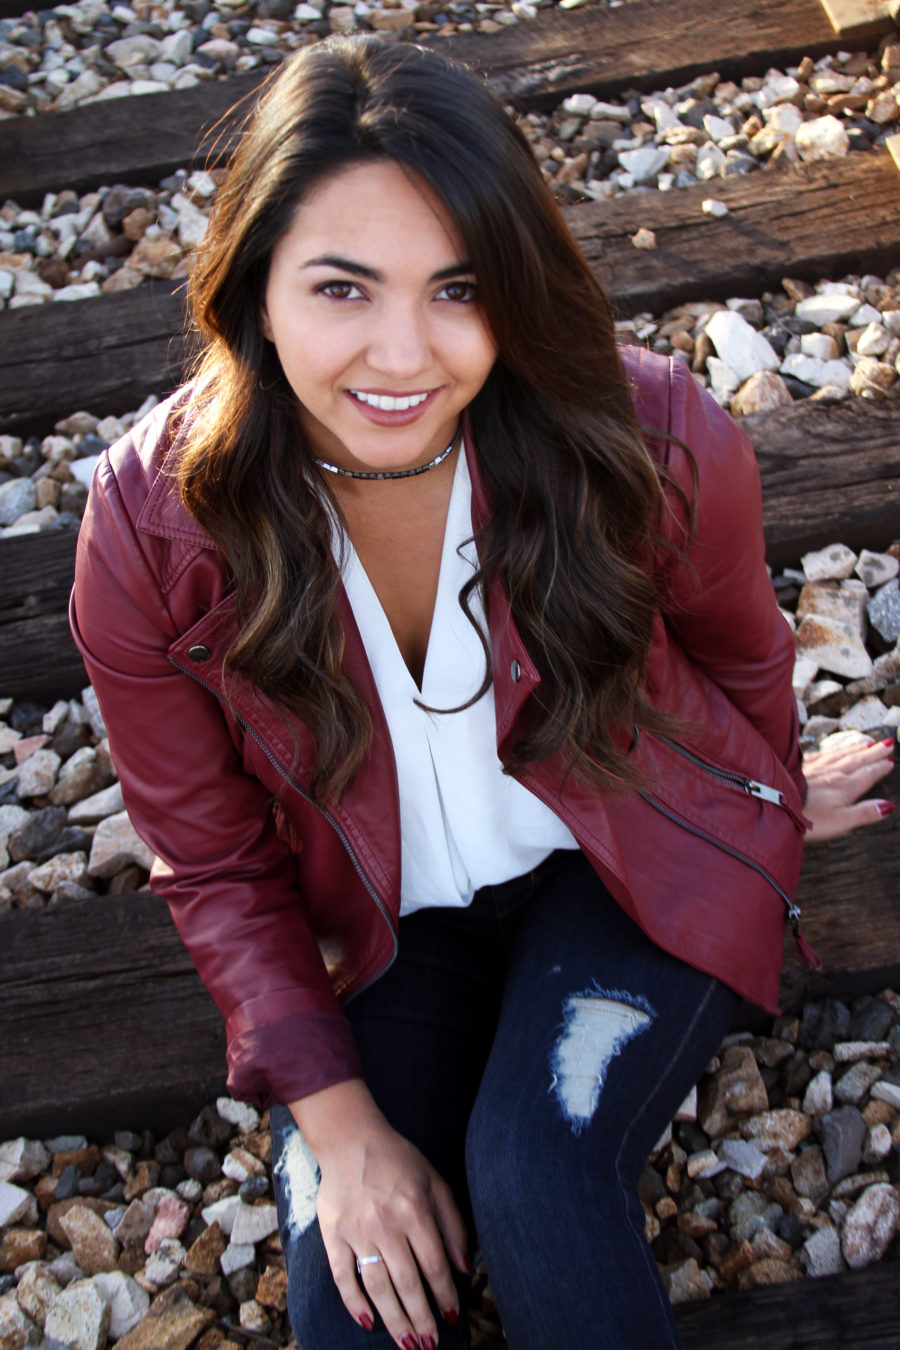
x=264, y=323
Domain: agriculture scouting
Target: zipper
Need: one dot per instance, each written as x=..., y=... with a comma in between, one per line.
x=751, y=786
x=807, y=955
x=269, y=754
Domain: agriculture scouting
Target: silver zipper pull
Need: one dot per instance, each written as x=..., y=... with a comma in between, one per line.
x=764, y=792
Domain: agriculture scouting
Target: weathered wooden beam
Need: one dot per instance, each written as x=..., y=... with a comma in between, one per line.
x=644, y=45
x=105, y=1018
x=809, y=221
x=868, y=19
x=856, y=1310
x=38, y=659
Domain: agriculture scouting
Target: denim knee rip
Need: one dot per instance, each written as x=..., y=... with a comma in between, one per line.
x=299, y=1176
x=597, y=1025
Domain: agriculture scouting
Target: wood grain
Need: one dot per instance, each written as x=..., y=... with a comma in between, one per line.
x=808, y=221
x=644, y=45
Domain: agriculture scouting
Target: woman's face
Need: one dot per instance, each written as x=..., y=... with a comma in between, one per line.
x=372, y=307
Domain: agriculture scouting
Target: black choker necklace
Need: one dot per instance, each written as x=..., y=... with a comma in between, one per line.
x=394, y=473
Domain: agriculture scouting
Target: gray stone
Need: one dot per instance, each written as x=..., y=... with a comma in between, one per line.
x=128, y=1302
x=16, y=497
x=644, y=164
x=742, y=1157
x=237, y=1256
x=870, y=1225
x=163, y=1266
x=844, y=1134
x=79, y=1317
x=64, y=868
x=81, y=776
x=884, y=611
x=17, y=1206
x=821, y=1253
x=750, y=1212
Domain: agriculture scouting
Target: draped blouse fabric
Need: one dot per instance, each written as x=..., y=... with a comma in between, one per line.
x=463, y=822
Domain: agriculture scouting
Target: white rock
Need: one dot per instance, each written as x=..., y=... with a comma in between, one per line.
x=717, y=128
x=38, y=773
x=744, y=349
x=822, y=138
x=865, y=315
x=865, y=715
x=223, y=1213
x=784, y=117
x=819, y=1096
x=827, y=307
x=711, y=206
x=133, y=51
x=21, y=1159
x=56, y=871
x=79, y=1317
x=874, y=340
x=107, y=802
x=88, y=698
x=253, y=1223
x=17, y=1332
x=723, y=380
x=887, y=1092
x=116, y=845
x=237, y=1256
x=819, y=346
x=163, y=1266
x=829, y=564
x=192, y=222
x=710, y=162
x=128, y=1302
x=644, y=164
x=817, y=373
x=878, y=1144
x=240, y=1114
x=610, y=112
x=834, y=646
x=581, y=105
x=870, y=1225
x=805, y=669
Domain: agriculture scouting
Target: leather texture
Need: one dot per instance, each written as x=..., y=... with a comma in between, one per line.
x=288, y=909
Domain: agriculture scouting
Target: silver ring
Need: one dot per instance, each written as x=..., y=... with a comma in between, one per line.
x=367, y=1261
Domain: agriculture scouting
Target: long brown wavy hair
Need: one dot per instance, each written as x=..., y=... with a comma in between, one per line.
x=576, y=496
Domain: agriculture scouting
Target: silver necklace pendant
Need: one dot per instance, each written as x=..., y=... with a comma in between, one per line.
x=392, y=473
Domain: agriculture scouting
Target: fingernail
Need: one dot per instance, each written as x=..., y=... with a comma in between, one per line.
x=470, y=1269
x=365, y=1321
x=889, y=742
x=450, y=1316
x=410, y=1343
x=429, y=1343
x=885, y=808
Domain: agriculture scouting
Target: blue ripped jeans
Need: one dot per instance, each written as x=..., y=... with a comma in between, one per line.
x=534, y=1047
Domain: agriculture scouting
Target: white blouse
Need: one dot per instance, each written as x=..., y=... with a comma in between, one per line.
x=463, y=822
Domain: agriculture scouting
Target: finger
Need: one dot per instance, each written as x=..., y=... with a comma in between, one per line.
x=343, y=1268
x=847, y=818
x=451, y=1226
x=431, y=1259
x=395, y=1287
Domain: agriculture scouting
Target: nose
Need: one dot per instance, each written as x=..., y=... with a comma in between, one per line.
x=400, y=346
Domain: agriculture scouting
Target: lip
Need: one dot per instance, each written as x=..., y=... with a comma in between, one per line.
x=395, y=418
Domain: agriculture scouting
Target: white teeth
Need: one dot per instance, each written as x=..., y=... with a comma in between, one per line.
x=387, y=403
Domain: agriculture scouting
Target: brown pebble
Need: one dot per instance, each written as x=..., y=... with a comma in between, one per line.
x=740, y=1256
x=56, y=1211
x=85, y=1158
x=19, y=1245
x=203, y=1256
x=146, y=1176
x=766, y=1272
x=271, y=1291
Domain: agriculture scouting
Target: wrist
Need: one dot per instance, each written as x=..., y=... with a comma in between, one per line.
x=332, y=1118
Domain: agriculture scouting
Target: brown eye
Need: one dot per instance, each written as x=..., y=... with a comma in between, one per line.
x=460, y=292
x=339, y=290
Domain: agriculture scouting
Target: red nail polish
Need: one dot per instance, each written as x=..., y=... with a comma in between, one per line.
x=889, y=742
x=410, y=1343
x=429, y=1343
x=885, y=808
x=450, y=1316
x=365, y=1321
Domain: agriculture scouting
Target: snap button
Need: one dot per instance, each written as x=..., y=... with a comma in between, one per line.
x=515, y=671
x=199, y=653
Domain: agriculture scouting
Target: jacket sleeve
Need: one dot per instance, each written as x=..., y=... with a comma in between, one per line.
x=229, y=879
x=718, y=597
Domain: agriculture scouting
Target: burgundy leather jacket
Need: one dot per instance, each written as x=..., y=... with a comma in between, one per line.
x=286, y=908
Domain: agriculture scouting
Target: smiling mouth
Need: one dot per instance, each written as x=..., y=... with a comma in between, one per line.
x=389, y=402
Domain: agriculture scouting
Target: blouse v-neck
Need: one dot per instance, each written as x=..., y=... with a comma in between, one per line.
x=463, y=822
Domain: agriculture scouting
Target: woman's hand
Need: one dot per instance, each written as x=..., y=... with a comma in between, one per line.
x=837, y=778
x=378, y=1196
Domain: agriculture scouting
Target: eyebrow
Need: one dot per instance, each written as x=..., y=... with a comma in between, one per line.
x=371, y=274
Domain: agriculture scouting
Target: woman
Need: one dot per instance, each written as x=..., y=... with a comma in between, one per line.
x=456, y=706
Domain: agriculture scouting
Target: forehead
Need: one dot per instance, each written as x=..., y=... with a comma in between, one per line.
x=370, y=209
